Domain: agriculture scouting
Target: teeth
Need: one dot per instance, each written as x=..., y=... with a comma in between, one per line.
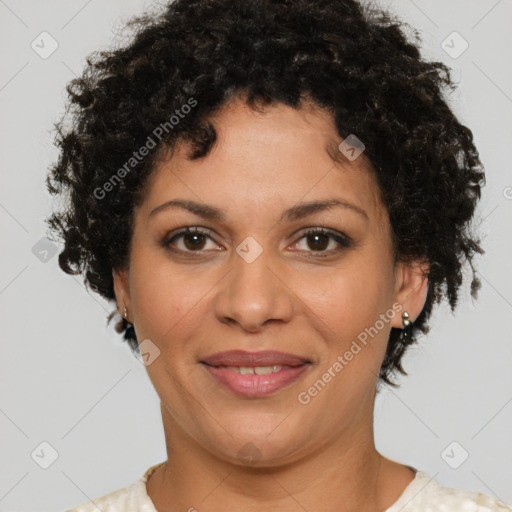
x=258, y=370
x=263, y=370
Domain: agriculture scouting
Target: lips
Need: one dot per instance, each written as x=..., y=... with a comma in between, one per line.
x=255, y=374
x=242, y=358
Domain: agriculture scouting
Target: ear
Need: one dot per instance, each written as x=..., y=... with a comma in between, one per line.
x=411, y=289
x=122, y=290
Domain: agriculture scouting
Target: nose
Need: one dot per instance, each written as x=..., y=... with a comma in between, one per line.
x=253, y=293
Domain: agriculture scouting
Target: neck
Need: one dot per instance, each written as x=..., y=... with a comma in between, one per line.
x=345, y=474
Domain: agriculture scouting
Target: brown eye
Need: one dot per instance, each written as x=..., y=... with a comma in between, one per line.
x=188, y=240
x=325, y=241
x=319, y=241
x=193, y=240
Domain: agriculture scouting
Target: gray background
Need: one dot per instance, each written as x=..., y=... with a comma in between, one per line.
x=66, y=379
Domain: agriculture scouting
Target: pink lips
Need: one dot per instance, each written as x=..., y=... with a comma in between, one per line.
x=254, y=385
x=252, y=359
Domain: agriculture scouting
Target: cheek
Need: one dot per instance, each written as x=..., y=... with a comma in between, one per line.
x=345, y=313
x=161, y=296
x=345, y=310
x=171, y=303
x=350, y=298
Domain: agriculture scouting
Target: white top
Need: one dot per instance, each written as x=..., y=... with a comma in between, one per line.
x=423, y=494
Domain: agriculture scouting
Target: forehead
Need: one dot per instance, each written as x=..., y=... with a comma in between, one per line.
x=266, y=158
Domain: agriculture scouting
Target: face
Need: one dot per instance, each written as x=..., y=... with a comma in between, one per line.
x=266, y=272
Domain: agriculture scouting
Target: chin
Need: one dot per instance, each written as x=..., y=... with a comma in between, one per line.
x=254, y=446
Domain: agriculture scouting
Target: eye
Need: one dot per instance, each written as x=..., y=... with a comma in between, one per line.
x=193, y=239
x=320, y=239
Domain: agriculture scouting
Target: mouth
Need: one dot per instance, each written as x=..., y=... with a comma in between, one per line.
x=255, y=374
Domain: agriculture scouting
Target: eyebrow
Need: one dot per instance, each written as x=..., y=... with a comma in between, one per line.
x=293, y=213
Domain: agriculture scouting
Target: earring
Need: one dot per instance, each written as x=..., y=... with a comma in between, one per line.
x=406, y=334
x=125, y=314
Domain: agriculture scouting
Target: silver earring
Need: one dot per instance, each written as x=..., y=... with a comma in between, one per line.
x=125, y=313
x=406, y=334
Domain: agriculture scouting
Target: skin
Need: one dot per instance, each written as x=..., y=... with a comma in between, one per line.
x=315, y=456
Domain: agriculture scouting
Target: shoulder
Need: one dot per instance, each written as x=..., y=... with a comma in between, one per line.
x=425, y=494
x=133, y=498
x=129, y=499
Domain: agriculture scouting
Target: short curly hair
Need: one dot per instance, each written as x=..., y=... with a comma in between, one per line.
x=354, y=60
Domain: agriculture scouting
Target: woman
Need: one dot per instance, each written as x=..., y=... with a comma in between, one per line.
x=276, y=195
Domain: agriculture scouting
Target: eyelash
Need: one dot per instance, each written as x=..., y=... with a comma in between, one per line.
x=343, y=240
